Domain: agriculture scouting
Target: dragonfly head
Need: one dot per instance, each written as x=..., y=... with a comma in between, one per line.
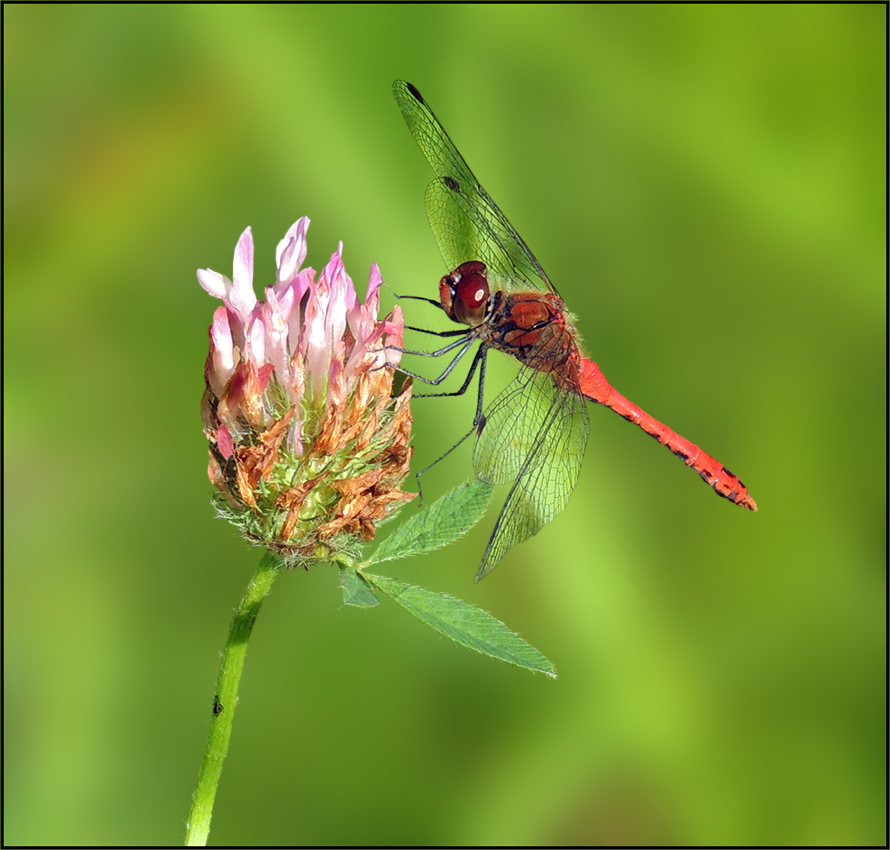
x=464, y=293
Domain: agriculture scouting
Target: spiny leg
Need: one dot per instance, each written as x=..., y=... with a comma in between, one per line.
x=478, y=419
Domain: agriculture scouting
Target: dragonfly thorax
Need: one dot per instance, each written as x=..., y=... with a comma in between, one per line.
x=464, y=293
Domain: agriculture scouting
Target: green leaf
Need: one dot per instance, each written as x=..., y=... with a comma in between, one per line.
x=356, y=591
x=469, y=626
x=441, y=523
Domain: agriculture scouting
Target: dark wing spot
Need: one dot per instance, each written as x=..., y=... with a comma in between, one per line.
x=416, y=94
x=452, y=184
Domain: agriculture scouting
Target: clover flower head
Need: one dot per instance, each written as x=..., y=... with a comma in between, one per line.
x=308, y=445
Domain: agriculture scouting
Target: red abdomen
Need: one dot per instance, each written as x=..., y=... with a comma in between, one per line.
x=595, y=387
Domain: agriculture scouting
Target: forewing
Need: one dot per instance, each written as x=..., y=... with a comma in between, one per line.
x=467, y=229
x=430, y=135
x=499, y=245
x=535, y=436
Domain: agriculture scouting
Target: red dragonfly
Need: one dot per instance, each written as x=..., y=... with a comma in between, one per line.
x=534, y=434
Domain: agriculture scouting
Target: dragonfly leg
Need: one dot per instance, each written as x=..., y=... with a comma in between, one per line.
x=432, y=301
x=479, y=358
x=466, y=343
x=436, y=333
x=478, y=362
x=437, y=353
x=448, y=370
x=478, y=419
x=442, y=457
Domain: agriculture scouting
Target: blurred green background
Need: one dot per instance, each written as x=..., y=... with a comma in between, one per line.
x=706, y=187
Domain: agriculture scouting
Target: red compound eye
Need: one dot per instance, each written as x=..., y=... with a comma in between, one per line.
x=469, y=293
x=472, y=291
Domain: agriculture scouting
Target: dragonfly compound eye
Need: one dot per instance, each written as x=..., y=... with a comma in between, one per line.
x=469, y=293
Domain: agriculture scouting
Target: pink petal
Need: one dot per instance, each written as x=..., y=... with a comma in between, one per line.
x=222, y=350
x=395, y=335
x=255, y=342
x=292, y=307
x=242, y=298
x=372, y=299
x=214, y=283
x=315, y=345
x=340, y=289
x=291, y=250
x=362, y=317
x=276, y=342
x=224, y=441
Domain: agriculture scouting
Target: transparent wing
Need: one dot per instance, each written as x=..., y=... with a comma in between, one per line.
x=465, y=231
x=513, y=422
x=460, y=203
x=534, y=435
x=430, y=135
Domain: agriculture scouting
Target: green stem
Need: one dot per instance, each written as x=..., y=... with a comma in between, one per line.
x=225, y=699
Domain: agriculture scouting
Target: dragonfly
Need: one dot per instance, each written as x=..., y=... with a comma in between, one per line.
x=534, y=434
